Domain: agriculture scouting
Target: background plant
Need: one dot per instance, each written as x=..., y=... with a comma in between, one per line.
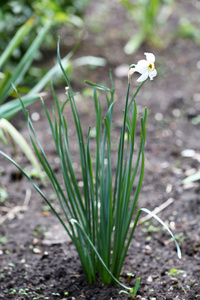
x=188, y=30
x=150, y=16
x=13, y=14
x=9, y=76
x=174, y=273
x=97, y=219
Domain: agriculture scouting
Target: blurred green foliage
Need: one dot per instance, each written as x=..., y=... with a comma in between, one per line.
x=188, y=30
x=15, y=13
x=150, y=16
x=10, y=75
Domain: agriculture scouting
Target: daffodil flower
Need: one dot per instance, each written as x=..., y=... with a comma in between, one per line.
x=145, y=67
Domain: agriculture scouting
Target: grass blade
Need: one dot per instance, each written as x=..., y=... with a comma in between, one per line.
x=11, y=108
x=16, y=40
x=165, y=226
x=24, y=64
x=18, y=139
x=98, y=86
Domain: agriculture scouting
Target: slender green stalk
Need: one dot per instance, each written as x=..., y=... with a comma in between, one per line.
x=117, y=222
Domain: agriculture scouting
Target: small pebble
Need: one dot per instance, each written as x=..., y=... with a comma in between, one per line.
x=35, y=116
x=188, y=153
x=37, y=251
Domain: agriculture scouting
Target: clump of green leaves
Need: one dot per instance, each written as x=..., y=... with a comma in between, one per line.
x=98, y=218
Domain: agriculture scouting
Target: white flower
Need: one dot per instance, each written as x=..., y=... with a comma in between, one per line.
x=145, y=67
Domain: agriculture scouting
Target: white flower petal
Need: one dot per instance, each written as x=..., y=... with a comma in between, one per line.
x=143, y=77
x=152, y=74
x=150, y=57
x=142, y=62
x=141, y=66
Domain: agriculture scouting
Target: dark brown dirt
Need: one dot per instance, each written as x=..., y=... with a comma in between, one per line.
x=37, y=259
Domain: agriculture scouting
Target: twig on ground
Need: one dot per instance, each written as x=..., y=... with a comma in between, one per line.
x=13, y=211
x=155, y=211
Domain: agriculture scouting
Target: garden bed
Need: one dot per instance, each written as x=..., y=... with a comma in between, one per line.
x=37, y=259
